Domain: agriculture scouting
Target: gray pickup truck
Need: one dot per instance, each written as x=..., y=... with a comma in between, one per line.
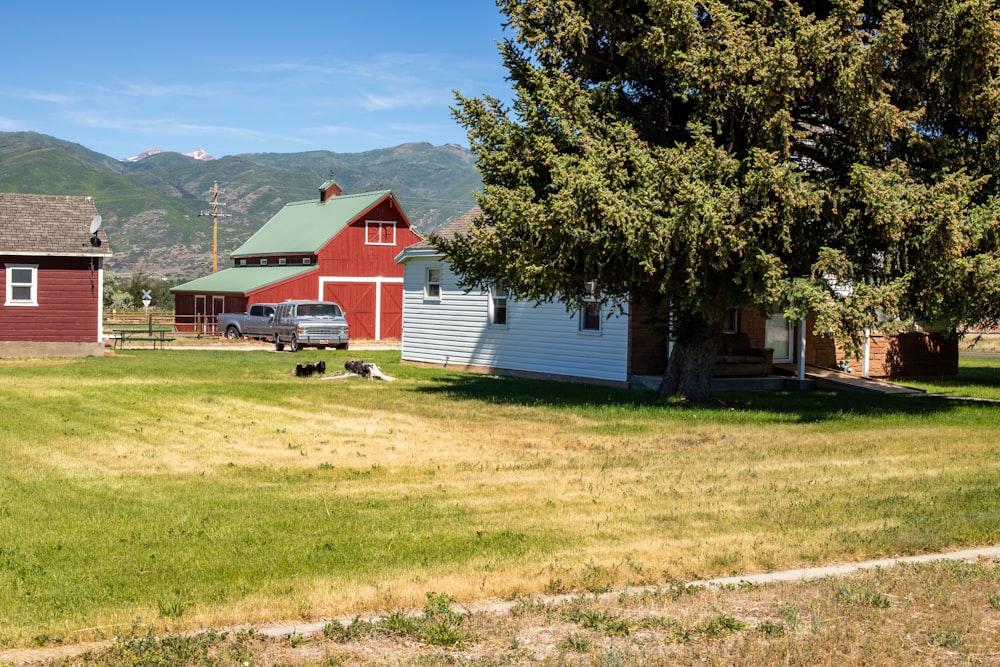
x=255, y=323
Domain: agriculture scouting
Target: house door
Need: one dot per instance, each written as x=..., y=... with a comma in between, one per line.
x=199, y=313
x=218, y=306
x=778, y=333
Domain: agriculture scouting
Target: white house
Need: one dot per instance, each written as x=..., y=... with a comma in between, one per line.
x=445, y=325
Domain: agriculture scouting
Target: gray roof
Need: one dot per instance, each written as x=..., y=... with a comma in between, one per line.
x=49, y=225
x=459, y=225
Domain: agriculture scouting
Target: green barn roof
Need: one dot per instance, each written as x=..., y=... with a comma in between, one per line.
x=243, y=279
x=306, y=226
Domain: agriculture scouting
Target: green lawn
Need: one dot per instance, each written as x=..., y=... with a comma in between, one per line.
x=177, y=489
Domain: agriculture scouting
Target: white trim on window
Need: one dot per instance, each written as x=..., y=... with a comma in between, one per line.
x=590, y=314
x=432, y=284
x=22, y=285
x=498, y=305
x=380, y=232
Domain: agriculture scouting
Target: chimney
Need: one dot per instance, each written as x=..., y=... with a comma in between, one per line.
x=329, y=189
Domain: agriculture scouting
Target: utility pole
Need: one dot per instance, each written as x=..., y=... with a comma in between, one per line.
x=215, y=225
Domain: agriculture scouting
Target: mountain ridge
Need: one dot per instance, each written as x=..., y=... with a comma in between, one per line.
x=151, y=207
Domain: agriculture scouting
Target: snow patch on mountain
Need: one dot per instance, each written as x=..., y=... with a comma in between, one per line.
x=197, y=155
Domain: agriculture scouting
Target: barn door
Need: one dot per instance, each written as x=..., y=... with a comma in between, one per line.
x=358, y=299
x=392, y=310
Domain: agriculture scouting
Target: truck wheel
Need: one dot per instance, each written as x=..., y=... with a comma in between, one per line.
x=278, y=345
x=293, y=345
x=232, y=333
x=342, y=346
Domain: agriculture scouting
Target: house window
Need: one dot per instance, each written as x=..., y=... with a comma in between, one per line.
x=498, y=304
x=378, y=232
x=731, y=321
x=282, y=261
x=306, y=260
x=590, y=315
x=243, y=262
x=22, y=285
x=263, y=261
x=432, y=284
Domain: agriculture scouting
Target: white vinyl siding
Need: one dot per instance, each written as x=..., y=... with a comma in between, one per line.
x=545, y=339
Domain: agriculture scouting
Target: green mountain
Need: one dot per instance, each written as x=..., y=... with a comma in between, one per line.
x=153, y=208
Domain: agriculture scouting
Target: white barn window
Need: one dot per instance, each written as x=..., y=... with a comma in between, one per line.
x=379, y=232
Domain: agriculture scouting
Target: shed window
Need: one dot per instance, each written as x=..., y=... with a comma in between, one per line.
x=22, y=285
x=432, y=284
x=378, y=232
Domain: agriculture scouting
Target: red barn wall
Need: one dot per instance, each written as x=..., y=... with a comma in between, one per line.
x=352, y=272
x=359, y=275
x=303, y=287
x=68, y=310
x=348, y=254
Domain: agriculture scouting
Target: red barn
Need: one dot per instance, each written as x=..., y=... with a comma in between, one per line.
x=337, y=248
x=53, y=270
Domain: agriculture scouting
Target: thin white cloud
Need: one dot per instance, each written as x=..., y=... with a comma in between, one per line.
x=402, y=100
x=37, y=95
x=160, y=127
x=152, y=90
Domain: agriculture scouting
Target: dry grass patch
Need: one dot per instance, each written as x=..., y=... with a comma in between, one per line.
x=160, y=492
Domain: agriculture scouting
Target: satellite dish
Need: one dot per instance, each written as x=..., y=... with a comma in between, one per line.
x=95, y=224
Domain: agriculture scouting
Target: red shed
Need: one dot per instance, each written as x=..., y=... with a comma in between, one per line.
x=337, y=248
x=52, y=251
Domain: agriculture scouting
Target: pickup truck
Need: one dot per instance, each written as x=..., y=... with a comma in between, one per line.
x=255, y=323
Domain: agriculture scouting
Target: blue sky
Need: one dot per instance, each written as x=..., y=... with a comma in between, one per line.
x=245, y=77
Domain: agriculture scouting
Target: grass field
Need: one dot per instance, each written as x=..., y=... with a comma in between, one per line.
x=179, y=489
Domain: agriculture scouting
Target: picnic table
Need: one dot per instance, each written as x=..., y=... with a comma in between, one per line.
x=155, y=335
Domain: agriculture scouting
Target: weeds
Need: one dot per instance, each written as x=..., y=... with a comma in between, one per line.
x=574, y=642
x=439, y=625
x=862, y=596
x=172, y=606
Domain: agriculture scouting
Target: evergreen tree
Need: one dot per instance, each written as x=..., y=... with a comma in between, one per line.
x=837, y=156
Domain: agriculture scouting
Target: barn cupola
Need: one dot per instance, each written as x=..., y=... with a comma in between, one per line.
x=329, y=189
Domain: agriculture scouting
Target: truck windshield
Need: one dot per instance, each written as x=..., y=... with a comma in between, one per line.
x=320, y=310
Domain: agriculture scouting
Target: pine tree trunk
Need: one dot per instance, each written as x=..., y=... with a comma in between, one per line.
x=691, y=364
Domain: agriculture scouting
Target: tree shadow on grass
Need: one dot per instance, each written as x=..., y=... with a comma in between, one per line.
x=778, y=406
